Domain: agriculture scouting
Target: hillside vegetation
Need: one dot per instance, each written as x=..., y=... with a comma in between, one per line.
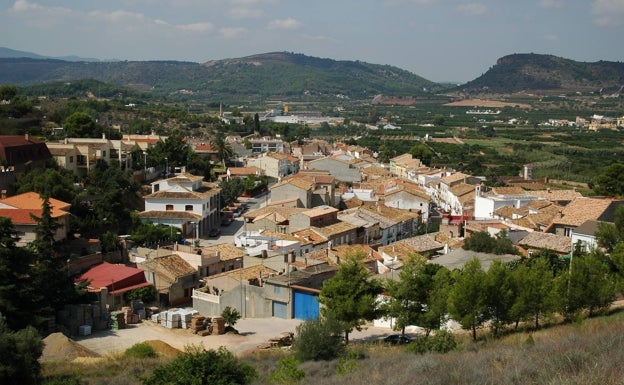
x=533, y=72
x=271, y=75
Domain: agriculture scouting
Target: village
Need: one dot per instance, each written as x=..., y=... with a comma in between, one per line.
x=269, y=255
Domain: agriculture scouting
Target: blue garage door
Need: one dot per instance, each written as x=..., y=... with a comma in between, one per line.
x=279, y=310
x=306, y=306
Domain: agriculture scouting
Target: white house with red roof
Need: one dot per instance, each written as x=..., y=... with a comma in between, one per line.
x=112, y=281
x=22, y=208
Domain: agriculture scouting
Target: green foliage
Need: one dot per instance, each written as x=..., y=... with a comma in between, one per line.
x=481, y=241
x=19, y=354
x=81, y=125
x=147, y=233
x=146, y=294
x=500, y=295
x=140, y=351
x=611, y=181
x=109, y=241
x=349, y=297
x=535, y=297
x=231, y=190
x=467, y=301
x=50, y=182
x=197, y=366
x=230, y=315
x=348, y=363
x=287, y=372
x=442, y=341
x=62, y=380
x=318, y=340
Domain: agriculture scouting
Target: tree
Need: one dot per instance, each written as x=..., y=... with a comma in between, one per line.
x=318, y=340
x=223, y=148
x=197, y=366
x=409, y=295
x=350, y=297
x=230, y=315
x=467, y=297
x=50, y=182
x=500, y=294
x=437, y=302
x=482, y=241
x=19, y=354
x=611, y=181
x=80, y=125
x=535, y=297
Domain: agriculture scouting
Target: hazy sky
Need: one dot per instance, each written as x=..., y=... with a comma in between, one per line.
x=441, y=40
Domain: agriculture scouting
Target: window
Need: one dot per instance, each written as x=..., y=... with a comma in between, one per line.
x=169, y=207
x=231, y=267
x=567, y=231
x=188, y=208
x=71, y=159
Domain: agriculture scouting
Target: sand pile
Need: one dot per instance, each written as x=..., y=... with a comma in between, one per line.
x=163, y=348
x=57, y=347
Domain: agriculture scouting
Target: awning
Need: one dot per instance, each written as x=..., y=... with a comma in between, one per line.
x=128, y=288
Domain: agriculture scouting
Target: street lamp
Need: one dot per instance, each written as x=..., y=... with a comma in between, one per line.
x=166, y=167
x=145, y=164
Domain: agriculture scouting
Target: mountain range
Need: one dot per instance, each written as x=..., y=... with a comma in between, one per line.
x=297, y=76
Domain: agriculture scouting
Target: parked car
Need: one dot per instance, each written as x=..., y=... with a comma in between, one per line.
x=398, y=339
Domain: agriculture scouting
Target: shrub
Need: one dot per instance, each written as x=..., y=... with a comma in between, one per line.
x=140, y=350
x=287, y=372
x=197, y=366
x=230, y=315
x=318, y=340
x=441, y=342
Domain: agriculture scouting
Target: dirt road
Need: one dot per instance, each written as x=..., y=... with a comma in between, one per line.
x=252, y=332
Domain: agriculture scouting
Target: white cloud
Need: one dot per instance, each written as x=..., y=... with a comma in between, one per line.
x=608, y=12
x=288, y=23
x=231, y=33
x=551, y=37
x=117, y=16
x=551, y=3
x=245, y=13
x=196, y=27
x=23, y=6
x=472, y=9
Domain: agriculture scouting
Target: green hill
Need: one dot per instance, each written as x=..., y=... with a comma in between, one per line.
x=271, y=75
x=547, y=73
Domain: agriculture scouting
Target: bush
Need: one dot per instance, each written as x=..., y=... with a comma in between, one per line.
x=287, y=372
x=198, y=366
x=140, y=350
x=230, y=315
x=441, y=342
x=318, y=340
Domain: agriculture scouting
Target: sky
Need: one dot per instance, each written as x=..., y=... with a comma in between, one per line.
x=440, y=40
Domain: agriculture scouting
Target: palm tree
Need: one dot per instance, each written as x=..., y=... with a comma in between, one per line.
x=224, y=150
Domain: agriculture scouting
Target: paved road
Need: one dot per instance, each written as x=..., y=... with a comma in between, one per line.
x=253, y=331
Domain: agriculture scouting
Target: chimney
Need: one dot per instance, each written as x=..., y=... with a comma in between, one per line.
x=27, y=137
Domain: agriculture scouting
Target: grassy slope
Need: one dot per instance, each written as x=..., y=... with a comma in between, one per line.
x=590, y=352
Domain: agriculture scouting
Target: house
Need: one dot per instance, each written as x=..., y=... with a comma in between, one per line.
x=536, y=241
x=585, y=235
x=186, y=202
x=318, y=216
x=456, y=259
x=23, y=153
x=80, y=155
x=173, y=278
x=411, y=199
x=265, y=242
x=339, y=233
x=425, y=245
x=342, y=170
x=275, y=164
x=580, y=210
x=295, y=294
x=404, y=165
x=271, y=217
x=268, y=144
x=241, y=289
x=112, y=281
x=311, y=188
x=486, y=203
x=394, y=224
x=21, y=209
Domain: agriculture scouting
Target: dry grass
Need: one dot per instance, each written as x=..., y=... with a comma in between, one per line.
x=589, y=352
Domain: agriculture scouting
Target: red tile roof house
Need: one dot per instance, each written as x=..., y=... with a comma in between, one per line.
x=112, y=281
x=20, y=153
x=20, y=209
